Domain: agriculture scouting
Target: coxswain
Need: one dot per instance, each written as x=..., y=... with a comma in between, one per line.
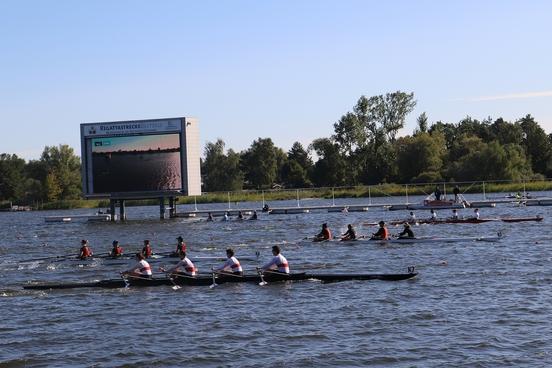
x=325, y=234
x=85, y=251
x=117, y=250
x=180, y=246
x=476, y=213
x=278, y=263
x=254, y=216
x=407, y=232
x=209, y=217
x=382, y=233
x=184, y=266
x=433, y=215
x=350, y=234
x=454, y=214
x=141, y=269
x=232, y=265
x=147, y=252
x=240, y=215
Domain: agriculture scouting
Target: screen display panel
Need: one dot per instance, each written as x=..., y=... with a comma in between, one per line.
x=138, y=163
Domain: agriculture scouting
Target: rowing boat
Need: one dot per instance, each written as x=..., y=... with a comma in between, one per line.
x=183, y=280
x=522, y=219
x=367, y=240
x=471, y=220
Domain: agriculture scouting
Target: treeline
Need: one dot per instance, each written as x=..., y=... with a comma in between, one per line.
x=363, y=150
x=55, y=176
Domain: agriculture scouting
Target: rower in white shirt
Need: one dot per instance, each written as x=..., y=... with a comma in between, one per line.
x=183, y=267
x=141, y=269
x=232, y=265
x=476, y=213
x=278, y=263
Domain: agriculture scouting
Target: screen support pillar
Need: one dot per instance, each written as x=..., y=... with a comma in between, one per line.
x=122, y=214
x=172, y=207
x=162, y=208
x=112, y=209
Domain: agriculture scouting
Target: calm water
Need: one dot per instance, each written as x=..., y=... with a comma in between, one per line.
x=473, y=304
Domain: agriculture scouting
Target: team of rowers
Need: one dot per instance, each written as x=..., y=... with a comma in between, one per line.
x=226, y=216
x=185, y=267
x=350, y=234
x=383, y=233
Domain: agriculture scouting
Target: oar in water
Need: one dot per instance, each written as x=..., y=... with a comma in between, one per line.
x=263, y=282
x=214, y=284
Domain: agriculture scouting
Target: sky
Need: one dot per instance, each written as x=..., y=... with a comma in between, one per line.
x=136, y=143
x=249, y=69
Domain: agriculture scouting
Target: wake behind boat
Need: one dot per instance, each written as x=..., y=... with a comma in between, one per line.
x=182, y=280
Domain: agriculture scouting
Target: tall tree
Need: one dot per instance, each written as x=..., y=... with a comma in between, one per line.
x=330, y=169
x=260, y=163
x=389, y=112
x=63, y=166
x=221, y=172
x=421, y=154
x=297, y=169
x=11, y=177
x=537, y=145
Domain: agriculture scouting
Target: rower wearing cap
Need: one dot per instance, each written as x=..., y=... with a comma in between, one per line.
x=85, y=251
x=117, y=250
x=254, y=216
x=232, y=265
x=278, y=263
x=412, y=217
x=433, y=215
x=382, y=233
x=180, y=246
x=184, y=266
x=407, y=232
x=147, y=252
x=209, y=217
x=325, y=234
x=141, y=269
x=350, y=234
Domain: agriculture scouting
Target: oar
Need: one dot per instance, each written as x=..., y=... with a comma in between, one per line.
x=175, y=286
x=127, y=284
x=214, y=284
x=263, y=282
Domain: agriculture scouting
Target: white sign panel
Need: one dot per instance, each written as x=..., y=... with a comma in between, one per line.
x=131, y=127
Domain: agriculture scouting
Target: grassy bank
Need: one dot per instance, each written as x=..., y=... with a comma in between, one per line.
x=382, y=190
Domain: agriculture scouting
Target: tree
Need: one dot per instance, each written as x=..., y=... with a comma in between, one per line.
x=63, y=169
x=220, y=171
x=389, y=111
x=260, y=163
x=329, y=170
x=537, y=145
x=11, y=177
x=423, y=124
x=421, y=154
x=296, y=171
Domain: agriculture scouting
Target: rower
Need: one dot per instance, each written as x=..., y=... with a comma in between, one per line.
x=266, y=208
x=350, y=234
x=412, y=217
x=454, y=214
x=433, y=215
x=141, y=269
x=278, y=263
x=476, y=213
x=117, y=250
x=180, y=246
x=85, y=251
x=232, y=265
x=188, y=268
x=240, y=215
x=209, y=217
x=254, y=216
x=407, y=232
x=147, y=252
x=226, y=216
x=382, y=233
x=325, y=234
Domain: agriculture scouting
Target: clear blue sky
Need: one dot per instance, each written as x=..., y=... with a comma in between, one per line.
x=280, y=69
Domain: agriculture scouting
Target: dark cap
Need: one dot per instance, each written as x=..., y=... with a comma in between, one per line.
x=180, y=238
x=84, y=241
x=381, y=222
x=115, y=242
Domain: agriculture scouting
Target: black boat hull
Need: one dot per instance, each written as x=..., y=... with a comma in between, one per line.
x=182, y=280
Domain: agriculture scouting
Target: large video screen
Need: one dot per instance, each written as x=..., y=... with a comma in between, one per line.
x=136, y=163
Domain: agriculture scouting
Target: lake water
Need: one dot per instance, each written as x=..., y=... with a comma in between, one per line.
x=474, y=304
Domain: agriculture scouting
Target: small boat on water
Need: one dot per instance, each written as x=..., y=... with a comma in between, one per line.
x=183, y=280
x=368, y=240
x=471, y=220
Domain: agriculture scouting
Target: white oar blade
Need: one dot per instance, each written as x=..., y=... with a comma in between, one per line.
x=213, y=286
x=176, y=287
x=263, y=283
